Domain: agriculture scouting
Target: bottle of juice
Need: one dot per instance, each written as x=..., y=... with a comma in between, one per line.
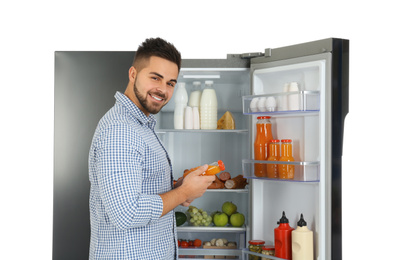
x=302, y=241
x=286, y=171
x=283, y=243
x=263, y=136
x=213, y=168
x=274, y=155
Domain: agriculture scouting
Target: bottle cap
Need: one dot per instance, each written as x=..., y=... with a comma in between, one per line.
x=274, y=141
x=209, y=82
x=263, y=117
x=221, y=165
x=256, y=242
x=286, y=140
x=301, y=222
x=283, y=219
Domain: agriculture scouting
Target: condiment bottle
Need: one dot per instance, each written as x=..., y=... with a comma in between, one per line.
x=263, y=136
x=213, y=168
x=286, y=171
x=208, y=107
x=302, y=241
x=181, y=99
x=283, y=243
x=195, y=95
x=255, y=246
x=274, y=155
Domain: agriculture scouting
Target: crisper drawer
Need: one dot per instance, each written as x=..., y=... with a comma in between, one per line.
x=230, y=247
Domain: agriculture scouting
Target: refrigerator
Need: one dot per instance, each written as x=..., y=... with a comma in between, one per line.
x=85, y=84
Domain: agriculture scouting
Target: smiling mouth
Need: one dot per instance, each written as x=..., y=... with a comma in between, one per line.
x=157, y=98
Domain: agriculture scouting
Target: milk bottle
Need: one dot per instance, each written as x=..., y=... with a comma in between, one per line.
x=195, y=95
x=181, y=99
x=208, y=107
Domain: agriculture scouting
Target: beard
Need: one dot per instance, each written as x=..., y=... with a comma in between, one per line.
x=154, y=108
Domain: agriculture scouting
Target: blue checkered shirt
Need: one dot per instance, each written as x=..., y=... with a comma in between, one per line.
x=128, y=168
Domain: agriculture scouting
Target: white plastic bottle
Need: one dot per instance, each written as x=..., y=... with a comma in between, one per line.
x=208, y=107
x=195, y=95
x=188, y=118
x=196, y=124
x=302, y=241
x=294, y=99
x=181, y=99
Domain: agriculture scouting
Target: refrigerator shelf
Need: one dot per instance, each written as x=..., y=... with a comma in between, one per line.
x=246, y=251
x=228, y=190
x=212, y=229
x=201, y=131
x=303, y=171
x=197, y=252
x=306, y=102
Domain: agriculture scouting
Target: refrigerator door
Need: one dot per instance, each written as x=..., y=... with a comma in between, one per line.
x=308, y=83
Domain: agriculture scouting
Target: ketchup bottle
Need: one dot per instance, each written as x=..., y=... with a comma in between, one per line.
x=283, y=243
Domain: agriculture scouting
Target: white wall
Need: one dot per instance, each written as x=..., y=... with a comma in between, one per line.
x=32, y=30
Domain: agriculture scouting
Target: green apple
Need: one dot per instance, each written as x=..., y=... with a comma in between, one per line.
x=220, y=219
x=237, y=219
x=229, y=208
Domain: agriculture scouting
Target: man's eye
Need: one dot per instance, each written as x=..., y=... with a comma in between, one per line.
x=171, y=84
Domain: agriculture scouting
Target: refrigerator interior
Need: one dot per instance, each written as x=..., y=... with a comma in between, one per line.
x=304, y=194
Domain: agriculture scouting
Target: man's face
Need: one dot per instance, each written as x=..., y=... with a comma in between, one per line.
x=153, y=85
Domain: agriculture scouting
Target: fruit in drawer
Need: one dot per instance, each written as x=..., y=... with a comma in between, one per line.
x=237, y=219
x=229, y=208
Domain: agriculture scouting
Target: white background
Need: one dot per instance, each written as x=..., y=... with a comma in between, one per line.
x=32, y=30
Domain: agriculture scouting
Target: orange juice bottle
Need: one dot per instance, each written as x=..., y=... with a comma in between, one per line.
x=274, y=154
x=286, y=171
x=263, y=136
x=213, y=168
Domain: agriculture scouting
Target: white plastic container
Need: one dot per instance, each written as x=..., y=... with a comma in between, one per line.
x=188, y=118
x=284, y=98
x=181, y=99
x=196, y=124
x=195, y=95
x=208, y=107
x=294, y=99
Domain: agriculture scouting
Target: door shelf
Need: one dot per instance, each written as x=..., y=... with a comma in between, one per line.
x=303, y=171
x=306, y=102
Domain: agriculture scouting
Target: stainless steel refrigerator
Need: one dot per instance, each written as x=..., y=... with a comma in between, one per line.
x=85, y=84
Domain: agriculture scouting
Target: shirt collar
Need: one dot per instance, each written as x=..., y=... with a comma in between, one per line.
x=135, y=111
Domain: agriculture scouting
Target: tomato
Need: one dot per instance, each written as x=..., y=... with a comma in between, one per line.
x=184, y=244
x=178, y=242
x=197, y=242
x=191, y=243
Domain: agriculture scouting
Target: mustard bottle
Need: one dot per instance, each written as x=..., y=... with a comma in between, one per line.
x=302, y=241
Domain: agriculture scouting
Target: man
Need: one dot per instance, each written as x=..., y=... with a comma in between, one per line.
x=132, y=198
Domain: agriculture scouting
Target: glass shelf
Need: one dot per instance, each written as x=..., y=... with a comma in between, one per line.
x=200, y=253
x=237, y=131
x=214, y=229
x=303, y=171
x=306, y=102
x=228, y=190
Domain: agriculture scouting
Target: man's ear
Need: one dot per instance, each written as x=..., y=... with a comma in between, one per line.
x=132, y=74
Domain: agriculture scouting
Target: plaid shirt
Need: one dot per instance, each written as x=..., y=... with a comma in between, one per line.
x=128, y=168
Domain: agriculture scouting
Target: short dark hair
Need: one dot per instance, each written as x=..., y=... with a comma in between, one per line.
x=157, y=47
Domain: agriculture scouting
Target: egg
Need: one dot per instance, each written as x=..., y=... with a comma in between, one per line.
x=253, y=104
x=261, y=104
x=270, y=104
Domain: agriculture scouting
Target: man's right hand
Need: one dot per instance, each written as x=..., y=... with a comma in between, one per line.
x=195, y=184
